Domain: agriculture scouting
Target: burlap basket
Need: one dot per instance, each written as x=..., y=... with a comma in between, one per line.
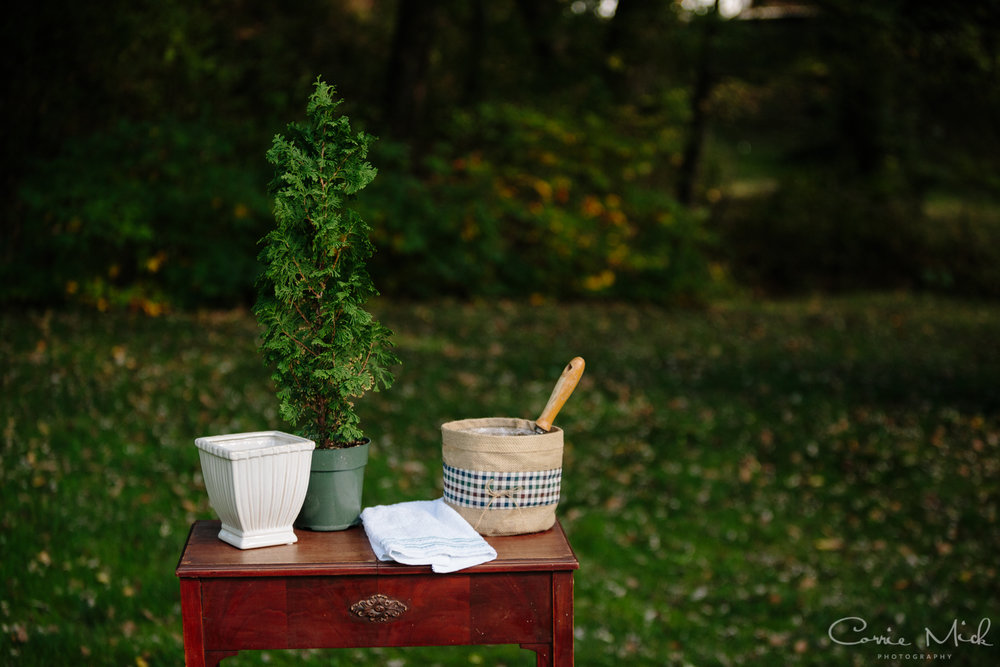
x=502, y=484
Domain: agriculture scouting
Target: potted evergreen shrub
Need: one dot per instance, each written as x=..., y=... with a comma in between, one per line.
x=325, y=349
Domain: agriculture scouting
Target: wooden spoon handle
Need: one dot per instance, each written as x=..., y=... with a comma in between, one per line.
x=560, y=393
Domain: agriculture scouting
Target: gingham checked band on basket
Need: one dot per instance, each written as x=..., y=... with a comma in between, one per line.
x=501, y=490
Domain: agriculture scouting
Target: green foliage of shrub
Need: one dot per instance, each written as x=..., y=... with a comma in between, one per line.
x=326, y=349
x=517, y=201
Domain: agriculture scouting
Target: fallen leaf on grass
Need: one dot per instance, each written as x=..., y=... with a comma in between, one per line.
x=829, y=544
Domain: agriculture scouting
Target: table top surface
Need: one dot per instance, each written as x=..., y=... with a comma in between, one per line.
x=348, y=552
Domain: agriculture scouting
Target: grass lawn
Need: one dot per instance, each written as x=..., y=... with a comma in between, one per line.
x=736, y=479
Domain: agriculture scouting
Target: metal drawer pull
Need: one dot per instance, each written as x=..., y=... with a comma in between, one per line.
x=379, y=608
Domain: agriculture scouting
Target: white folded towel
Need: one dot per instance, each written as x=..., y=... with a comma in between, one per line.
x=425, y=532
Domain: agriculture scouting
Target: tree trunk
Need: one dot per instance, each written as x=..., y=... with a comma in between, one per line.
x=539, y=17
x=407, y=78
x=694, y=146
x=619, y=35
x=472, y=86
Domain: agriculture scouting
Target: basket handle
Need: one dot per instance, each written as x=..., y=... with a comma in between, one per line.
x=560, y=394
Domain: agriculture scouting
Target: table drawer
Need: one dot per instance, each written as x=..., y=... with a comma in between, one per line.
x=405, y=610
x=379, y=611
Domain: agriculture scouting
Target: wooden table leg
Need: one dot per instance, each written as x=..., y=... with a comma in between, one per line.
x=195, y=654
x=560, y=652
x=562, y=619
x=194, y=636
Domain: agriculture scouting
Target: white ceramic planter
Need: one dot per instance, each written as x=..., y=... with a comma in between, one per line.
x=256, y=483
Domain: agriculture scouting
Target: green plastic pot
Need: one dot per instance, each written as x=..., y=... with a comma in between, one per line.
x=336, y=478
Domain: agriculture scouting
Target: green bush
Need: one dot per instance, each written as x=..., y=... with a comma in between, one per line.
x=521, y=202
x=145, y=215
x=512, y=201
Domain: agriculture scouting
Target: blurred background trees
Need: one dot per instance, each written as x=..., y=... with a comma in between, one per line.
x=664, y=150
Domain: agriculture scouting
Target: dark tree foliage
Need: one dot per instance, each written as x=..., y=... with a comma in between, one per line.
x=885, y=105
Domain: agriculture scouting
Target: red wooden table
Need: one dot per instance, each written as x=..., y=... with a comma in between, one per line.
x=329, y=591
